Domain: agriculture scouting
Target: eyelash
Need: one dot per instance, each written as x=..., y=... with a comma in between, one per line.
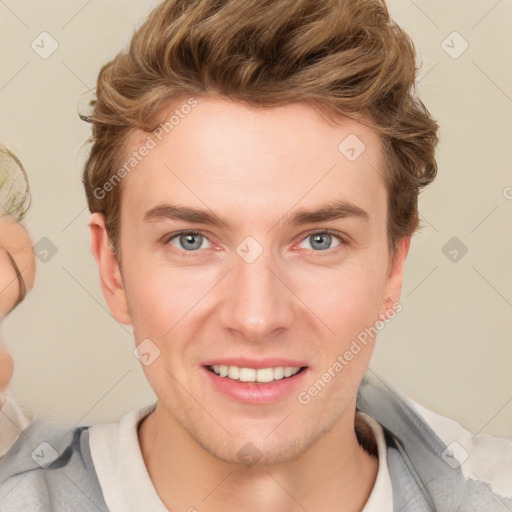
x=189, y=254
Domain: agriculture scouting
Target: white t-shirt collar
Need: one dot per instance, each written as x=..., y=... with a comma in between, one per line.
x=127, y=486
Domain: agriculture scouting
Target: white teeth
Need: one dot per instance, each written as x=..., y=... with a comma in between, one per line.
x=254, y=375
x=265, y=375
x=288, y=371
x=233, y=372
x=247, y=374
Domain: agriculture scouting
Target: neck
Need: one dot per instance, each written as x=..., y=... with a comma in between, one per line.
x=335, y=474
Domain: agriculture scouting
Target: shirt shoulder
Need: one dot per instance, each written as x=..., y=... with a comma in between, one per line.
x=434, y=463
x=49, y=469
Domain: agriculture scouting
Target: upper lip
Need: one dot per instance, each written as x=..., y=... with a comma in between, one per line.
x=245, y=362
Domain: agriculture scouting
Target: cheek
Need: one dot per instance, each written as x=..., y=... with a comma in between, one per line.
x=162, y=302
x=347, y=299
x=154, y=303
x=156, y=306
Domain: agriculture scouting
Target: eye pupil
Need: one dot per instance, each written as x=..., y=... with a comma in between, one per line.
x=322, y=237
x=188, y=239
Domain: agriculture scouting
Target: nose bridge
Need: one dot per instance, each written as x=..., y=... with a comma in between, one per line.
x=256, y=302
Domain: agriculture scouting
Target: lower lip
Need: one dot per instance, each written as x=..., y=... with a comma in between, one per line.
x=256, y=393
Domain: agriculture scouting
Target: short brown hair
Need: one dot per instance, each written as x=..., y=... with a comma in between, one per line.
x=342, y=57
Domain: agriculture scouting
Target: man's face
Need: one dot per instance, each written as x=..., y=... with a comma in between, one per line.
x=260, y=291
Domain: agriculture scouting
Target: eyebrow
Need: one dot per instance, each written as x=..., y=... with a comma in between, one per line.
x=334, y=210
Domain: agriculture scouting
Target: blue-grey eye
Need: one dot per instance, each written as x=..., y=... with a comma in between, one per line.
x=321, y=241
x=188, y=241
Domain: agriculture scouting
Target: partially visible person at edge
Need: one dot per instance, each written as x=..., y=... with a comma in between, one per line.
x=253, y=185
x=17, y=274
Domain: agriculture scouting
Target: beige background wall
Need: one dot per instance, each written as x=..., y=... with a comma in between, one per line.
x=451, y=346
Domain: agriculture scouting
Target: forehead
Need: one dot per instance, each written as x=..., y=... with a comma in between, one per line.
x=245, y=160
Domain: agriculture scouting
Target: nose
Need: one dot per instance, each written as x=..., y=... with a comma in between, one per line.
x=257, y=302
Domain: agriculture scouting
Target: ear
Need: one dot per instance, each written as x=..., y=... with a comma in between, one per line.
x=110, y=275
x=393, y=286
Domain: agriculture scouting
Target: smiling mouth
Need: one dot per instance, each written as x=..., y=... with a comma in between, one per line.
x=253, y=375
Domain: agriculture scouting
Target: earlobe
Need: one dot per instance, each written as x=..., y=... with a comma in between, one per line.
x=393, y=287
x=110, y=276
